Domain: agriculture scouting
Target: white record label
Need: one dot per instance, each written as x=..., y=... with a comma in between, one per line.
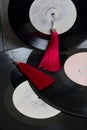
x=75, y=68
x=28, y=103
x=41, y=11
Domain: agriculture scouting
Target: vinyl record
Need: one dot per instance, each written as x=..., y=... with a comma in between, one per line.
x=18, y=15
x=14, y=83
x=29, y=104
x=65, y=94
x=24, y=116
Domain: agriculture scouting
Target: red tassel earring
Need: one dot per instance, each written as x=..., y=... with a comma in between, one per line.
x=38, y=78
x=51, y=58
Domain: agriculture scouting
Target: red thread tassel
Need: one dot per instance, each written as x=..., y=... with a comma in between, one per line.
x=37, y=77
x=51, y=58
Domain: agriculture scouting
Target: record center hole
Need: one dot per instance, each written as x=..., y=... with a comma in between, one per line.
x=52, y=14
x=83, y=71
x=55, y=16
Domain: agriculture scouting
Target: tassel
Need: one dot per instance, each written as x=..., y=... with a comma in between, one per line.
x=37, y=77
x=51, y=58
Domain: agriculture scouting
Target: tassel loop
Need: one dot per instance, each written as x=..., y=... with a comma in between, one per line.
x=53, y=28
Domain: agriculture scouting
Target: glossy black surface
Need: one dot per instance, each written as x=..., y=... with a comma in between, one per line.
x=10, y=118
x=18, y=14
x=64, y=94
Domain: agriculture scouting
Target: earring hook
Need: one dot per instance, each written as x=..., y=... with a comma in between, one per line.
x=52, y=22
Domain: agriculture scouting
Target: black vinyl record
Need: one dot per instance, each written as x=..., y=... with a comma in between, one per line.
x=18, y=15
x=64, y=94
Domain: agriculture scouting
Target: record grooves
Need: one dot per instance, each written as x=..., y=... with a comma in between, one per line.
x=64, y=94
x=18, y=14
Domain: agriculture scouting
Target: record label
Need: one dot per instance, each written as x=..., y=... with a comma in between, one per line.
x=76, y=68
x=41, y=15
x=28, y=103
